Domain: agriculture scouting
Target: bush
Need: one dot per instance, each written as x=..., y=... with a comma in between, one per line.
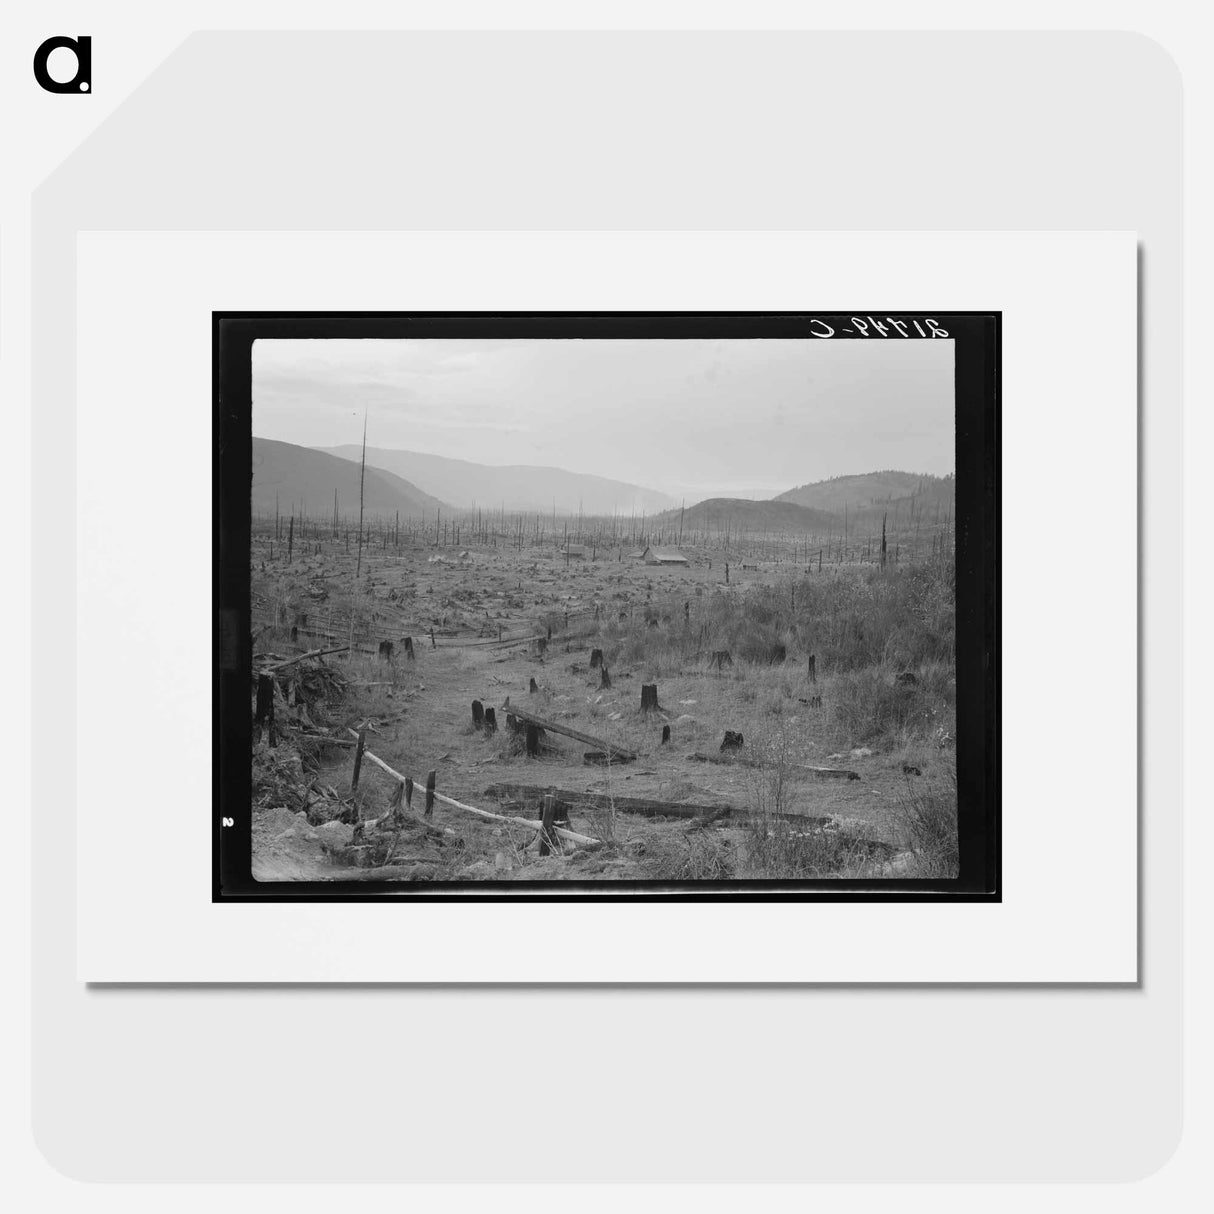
x=871, y=705
x=927, y=809
x=761, y=645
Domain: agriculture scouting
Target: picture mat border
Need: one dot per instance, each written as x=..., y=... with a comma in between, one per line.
x=1090, y=278
x=975, y=340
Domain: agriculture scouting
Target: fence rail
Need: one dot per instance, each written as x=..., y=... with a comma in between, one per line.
x=407, y=782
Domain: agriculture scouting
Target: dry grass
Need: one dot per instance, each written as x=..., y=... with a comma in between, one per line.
x=927, y=812
x=864, y=625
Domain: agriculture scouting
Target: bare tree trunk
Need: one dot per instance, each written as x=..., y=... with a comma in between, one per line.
x=362, y=473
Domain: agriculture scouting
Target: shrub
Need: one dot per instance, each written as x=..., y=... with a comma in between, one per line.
x=761, y=644
x=870, y=705
x=927, y=809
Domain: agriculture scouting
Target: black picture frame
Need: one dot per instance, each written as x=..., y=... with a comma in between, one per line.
x=977, y=338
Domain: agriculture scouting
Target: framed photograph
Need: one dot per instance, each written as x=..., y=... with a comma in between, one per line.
x=677, y=606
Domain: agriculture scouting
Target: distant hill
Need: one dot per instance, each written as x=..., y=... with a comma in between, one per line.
x=736, y=514
x=517, y=487
x=304, y=477
x=873, y=491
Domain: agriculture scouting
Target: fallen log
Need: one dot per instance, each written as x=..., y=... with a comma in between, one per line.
x=492, y=642
x=600, y=758
x=313, y=653
x=839, y=773
x=577, y=735
x=533, y=794
x=529, y=794
x=572, y=835
x=418, y=870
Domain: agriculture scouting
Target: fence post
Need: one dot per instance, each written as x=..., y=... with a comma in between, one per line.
x=430, y=779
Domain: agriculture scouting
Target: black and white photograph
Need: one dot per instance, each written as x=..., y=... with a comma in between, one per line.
x=632, y=612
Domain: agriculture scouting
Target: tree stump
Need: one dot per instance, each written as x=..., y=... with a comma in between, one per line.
x=385, y=650
x=409, y=654
x=478, y=715
x=547, y=837
x=605, y=680
x=731, y=741
x=533, y=742
x=430, y=781
x=358, y=756
x=490, y=720
x=665, y=735
x=596, y=659
x=533, y=688
x=813, y=668
x=649, y=697
x=264, y=715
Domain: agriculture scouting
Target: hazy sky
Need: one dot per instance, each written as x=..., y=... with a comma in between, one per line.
x=743, y=418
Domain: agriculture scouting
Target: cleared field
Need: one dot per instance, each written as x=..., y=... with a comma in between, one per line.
x=844, y=770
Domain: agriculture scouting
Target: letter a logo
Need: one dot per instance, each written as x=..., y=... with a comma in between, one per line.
x=82, y=81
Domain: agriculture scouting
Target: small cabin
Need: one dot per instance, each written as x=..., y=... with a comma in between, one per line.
x=665, y=556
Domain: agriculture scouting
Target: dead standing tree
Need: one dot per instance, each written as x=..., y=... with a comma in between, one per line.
x=362, y=474
x=358, y=568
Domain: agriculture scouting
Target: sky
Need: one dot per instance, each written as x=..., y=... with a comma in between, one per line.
x=694, y=418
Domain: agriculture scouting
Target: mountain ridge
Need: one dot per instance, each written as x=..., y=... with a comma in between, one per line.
x=741, y=514
x=869, y=490
x=514, y=487
x=288, y=475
